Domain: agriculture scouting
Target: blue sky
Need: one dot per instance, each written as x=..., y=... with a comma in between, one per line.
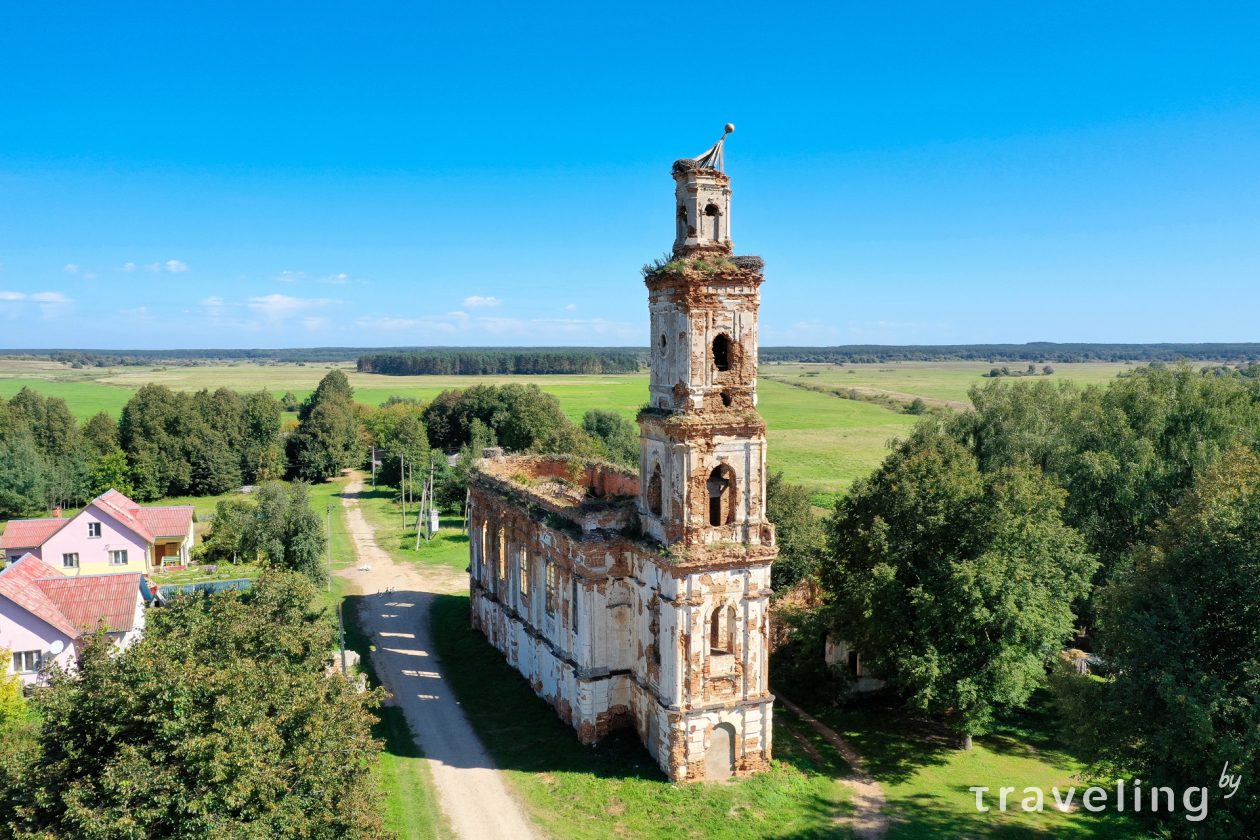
x=256, y=175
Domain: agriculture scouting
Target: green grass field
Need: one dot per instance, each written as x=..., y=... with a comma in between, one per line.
x=926, y=779
x=818, y=440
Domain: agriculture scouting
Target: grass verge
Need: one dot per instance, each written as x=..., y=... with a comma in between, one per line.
x=615, y=789
x=926, y=779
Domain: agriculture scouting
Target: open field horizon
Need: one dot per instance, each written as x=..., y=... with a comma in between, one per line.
x=817, y=439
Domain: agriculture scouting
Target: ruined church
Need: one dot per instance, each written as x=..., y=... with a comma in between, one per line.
x=642, y=600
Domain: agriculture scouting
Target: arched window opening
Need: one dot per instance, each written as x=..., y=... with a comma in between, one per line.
x=481, y=548
x=855, y=663
x=664, y=345
x=682, y=221
x=502, y=557
x=654, y=491
x=721, y=486
x=654, y=629
x=722, y=352
x=549, y=601
x=524, y=569
x=712, y=214
x=726, y=398
x=722, y=631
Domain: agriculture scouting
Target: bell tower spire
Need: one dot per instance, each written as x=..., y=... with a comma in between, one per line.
x=703, y=472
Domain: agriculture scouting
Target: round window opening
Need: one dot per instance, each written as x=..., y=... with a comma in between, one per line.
x=664, y=344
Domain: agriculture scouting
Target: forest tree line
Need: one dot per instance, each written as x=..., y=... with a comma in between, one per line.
x=1039, y=352
x=1123, y=520
x=481, y=363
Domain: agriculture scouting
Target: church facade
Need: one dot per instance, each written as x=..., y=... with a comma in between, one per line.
x=642, y=600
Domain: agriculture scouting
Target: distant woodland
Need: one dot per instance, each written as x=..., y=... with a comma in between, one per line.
x=615, y=359
x=480, y=363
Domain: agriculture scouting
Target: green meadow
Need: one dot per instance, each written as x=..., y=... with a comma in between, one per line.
x=816, y=439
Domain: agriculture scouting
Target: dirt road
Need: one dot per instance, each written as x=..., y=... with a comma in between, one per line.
x=470, y=790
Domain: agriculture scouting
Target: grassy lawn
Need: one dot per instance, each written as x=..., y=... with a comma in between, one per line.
x=615, y=790
x=926, y=779
x=936, y=380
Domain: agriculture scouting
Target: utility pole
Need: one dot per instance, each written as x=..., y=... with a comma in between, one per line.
x=467, y=502
x=330, y=549
x=373, y=466
x=402, y=479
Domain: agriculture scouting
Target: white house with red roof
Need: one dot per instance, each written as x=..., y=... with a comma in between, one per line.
x=111, y=535
x=44, y=614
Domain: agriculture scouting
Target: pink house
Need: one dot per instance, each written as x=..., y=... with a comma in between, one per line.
x=43, y=613
x=112, y=535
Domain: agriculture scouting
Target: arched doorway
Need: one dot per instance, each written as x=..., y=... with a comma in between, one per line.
x=719, y=758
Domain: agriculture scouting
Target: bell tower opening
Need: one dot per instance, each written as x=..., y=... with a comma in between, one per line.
x=654, y=491
x=721, y=486
x=722, y=352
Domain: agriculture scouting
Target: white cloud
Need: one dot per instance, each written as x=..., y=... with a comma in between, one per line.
x=71, y=268
x=461, y=322
x=129, y=266
x=333, y=278
x=38, y=297
x=157, y=266
x=276, y=308
x=477, y=300
x=571, y=307
x=175, y=266
x=315, y=323
x=291, y=276
x=89, y=276
x=140, y=314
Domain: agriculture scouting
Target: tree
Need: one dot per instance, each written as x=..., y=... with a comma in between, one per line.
x=520, y=415
x=290, y=535
x=289, y=402
x=327, y=440
x=233, y=534
x=110, y=471
x=262, y=453
x=619, y=435
x=954, y=584
x=1179, y=629
x=101, y=431
x=219, y=722
x=798, y=532
x=23, y=483
x=916, y=406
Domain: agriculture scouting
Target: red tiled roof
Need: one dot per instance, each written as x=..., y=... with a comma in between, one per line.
x=17, y=583
x=89, y=599
x=30, y=533
x=167, y=521
x=124, y=510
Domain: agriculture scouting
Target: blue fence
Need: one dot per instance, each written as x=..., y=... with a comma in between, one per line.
x=211, y=586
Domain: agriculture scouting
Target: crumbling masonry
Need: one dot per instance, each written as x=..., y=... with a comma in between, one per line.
x=643, y=600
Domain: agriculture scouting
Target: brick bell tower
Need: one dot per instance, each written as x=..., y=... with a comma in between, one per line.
x=703, y=469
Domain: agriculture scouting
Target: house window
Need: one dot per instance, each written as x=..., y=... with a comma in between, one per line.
x=70, y=561
x=26, y=661
x=551, y=588
x=94, y=530
x=573, y=605
x=118, y=558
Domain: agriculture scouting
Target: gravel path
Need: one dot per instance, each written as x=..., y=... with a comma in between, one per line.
x=470, y=789
x=868, y=820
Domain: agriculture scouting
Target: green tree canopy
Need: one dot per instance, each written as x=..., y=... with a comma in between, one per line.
x=1180, y=630
x=218, y=723
x=798, y=532
x=327, y=440
x=619, y=435
x=955, y=585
